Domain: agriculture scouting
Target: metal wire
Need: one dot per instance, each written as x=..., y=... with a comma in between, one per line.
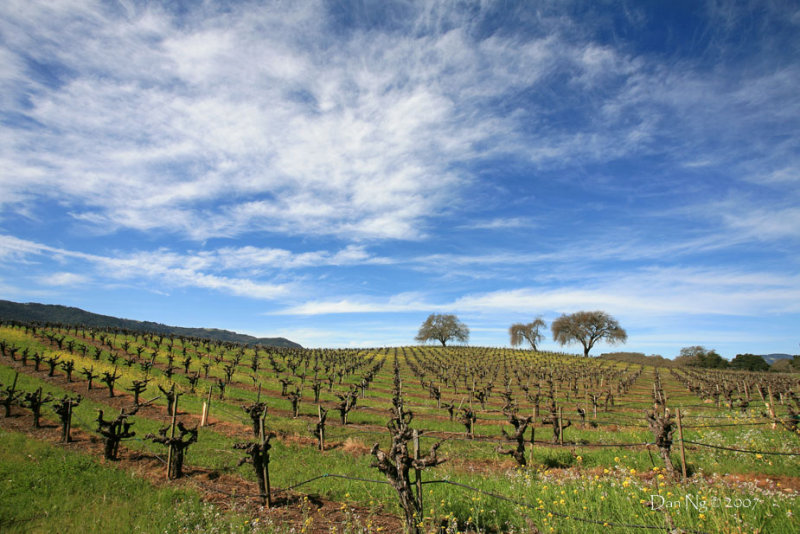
x=740, y=450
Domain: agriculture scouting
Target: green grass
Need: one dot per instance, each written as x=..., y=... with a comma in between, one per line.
x=46, y=488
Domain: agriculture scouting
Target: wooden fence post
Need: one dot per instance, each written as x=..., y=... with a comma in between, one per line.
x=771, y=406
x=471, y=395
x=265, y=464
x=585, y=398
x=683, y=450
x=655, y=398
x=418, y=472
x=533, y=433
x=172, y=437
x=321, y=429
x=206, y=408
x=68, y=427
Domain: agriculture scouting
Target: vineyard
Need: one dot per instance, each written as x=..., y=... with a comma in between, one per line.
x=235, y=438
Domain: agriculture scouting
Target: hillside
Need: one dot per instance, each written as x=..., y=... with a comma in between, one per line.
x=50, y=313
x=772, y=358
x=638, y=358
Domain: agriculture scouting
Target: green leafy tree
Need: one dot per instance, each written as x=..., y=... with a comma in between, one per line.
x=699, y=356
x=587, y=328
x=749, y=362
x=527, y=332
x=442, y=328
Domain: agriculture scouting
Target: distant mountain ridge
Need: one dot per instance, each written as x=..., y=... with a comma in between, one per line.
x=772, y=358
x=54, y=313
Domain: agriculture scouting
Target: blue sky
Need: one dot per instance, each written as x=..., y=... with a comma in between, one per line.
x=333, y=172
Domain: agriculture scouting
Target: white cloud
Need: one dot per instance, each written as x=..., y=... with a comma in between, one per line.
x=558, y=261
x=765, y=224
x=233, y=270
x=785, y=175
x=640, y=296
x=161, y=266
x=501, y=223
x=327, y=338
x=403, y=302
x=355, y=134
x=63, y=279
x=15, y=249
x=173, y=270
x=655, y=293
x=353, y=139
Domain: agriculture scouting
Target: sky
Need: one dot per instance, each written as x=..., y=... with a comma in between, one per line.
x=334, y=172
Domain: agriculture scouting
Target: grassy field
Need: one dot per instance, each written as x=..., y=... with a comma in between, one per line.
x=604, y=478
x=46, y=488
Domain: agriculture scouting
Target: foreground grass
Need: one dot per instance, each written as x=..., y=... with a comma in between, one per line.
x=46, y=488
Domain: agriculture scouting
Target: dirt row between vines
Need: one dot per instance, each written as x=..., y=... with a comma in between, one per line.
x=274, y=393
x=123, y=400
x=448, y=396
x=224, y=490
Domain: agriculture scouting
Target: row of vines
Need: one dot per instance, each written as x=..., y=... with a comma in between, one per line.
x=545, y=412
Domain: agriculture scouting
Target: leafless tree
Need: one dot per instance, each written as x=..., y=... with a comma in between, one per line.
x=587, y=328
x=527, y=332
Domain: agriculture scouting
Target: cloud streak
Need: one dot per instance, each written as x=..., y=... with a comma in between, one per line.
x=321, y=140
x=358, y=134
x=650, y=293
x=171, y=269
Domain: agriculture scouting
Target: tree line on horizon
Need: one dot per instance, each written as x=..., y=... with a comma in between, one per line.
x=587, y=328
x=698, y=356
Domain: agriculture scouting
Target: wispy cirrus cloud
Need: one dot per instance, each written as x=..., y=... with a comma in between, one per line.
x=403, y=302
x=315, y=140
x=244, y=271
x=647, y=293
x=501, y=223
x=356, y=133
x=63, y=279
x=765, y=224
